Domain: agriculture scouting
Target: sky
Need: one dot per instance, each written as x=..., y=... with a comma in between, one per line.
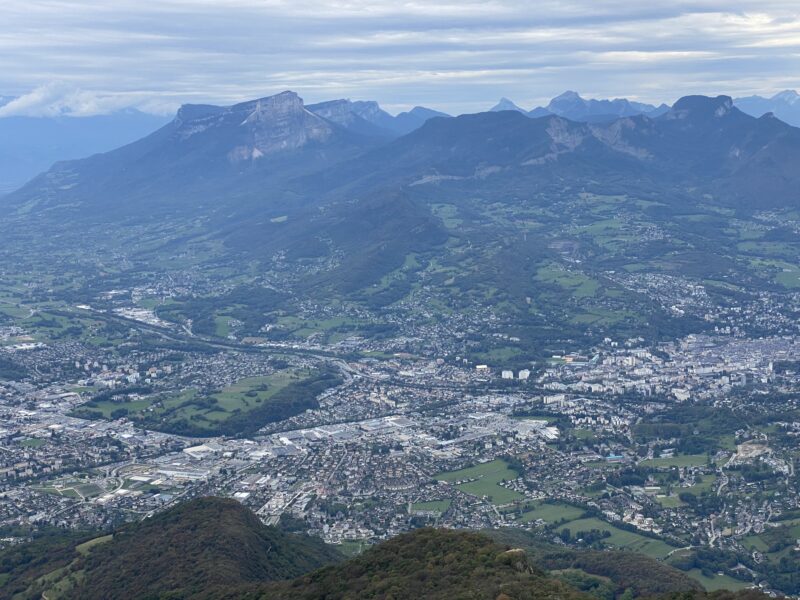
x=84, y=57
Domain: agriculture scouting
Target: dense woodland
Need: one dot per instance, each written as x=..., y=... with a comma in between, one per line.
x=217, y=549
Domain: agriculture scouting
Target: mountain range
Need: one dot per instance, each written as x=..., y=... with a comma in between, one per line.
x=784, y=105
x=30, y=145
x=215, y=548
x=572, y=106
x=327, y=148
x=334, y=195
x=369, y=118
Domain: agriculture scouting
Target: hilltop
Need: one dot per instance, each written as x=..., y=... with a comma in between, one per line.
x=189, y=550
x=217, y=549
x=427, y=563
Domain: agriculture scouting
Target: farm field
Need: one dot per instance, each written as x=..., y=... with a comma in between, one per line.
x=718, y=582
x=669, y=501
x=621, y=538
x=192, y=413
x=33, y=443
x=242, y=396
x=483, y=479
x=707, y=483
x=682, y=460
x=72, y=488
x=552, y=513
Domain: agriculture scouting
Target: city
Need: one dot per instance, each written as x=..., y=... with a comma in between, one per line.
x=572, y=449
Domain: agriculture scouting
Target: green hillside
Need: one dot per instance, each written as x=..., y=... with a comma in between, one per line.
x=427, y=563
x=216, y=549
x=184, y=552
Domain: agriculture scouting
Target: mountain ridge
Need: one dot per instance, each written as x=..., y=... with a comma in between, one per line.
x=340, y=211
x=215, y=548
x=204, y=151
x=708, y=139
x=369, y=118
x=572, y=106
x=784, y=105
x=188, y=551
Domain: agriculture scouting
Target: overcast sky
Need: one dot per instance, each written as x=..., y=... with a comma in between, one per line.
x=90, y=56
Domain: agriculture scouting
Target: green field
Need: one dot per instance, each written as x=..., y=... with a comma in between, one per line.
x=669, y=501
x=193, y=413
x=682, y=460
x=583, y=434
x=789, y=277
x=353, y=547
x=66, y=492
x=552, y=513
x=89, y=490
x=754, y=542
x=707, y=484
x=621, y=538
x=439, y=506
x=718, y=582
x=133, y=406
x=578, y=284
x=33, y=443
x=448, y=213
x=72, y=489
x=303, y=328
x=86, y=546
x=222, y=325
x=486, y=477
x=787, y=531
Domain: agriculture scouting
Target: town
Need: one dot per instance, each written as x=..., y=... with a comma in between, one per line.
x=587, y=448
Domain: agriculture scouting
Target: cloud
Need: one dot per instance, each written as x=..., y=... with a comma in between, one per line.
x=457, y=56
x=60, y=99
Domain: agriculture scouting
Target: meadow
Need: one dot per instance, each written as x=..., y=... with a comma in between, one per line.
x=483, y=480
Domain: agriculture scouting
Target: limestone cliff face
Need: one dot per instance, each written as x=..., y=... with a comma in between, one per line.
x=257, y=128
x=370, y=110
x=363, y=117
x=366, y=117
x=280, y=123
x=338, y=111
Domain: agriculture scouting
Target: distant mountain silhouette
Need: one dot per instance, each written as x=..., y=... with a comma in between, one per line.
x=341, y=187
x=203, y=153
x=406, y=122
x=572, y=106
x=506, y=104
x=30, y=145
x=369, y=118
x=784, y=105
